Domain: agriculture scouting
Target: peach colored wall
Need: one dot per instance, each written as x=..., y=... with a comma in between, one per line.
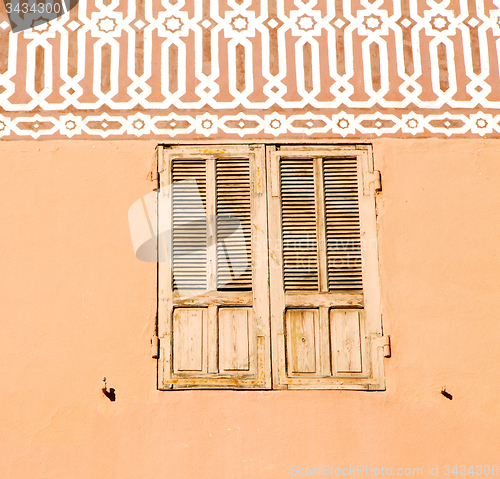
x=76, y=306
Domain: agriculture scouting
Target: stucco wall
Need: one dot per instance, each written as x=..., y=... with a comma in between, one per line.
x=77, y=306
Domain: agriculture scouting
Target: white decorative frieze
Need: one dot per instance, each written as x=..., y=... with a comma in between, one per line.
x=240, y=68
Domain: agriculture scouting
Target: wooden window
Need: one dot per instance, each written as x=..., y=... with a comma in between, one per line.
x=214, y=296
x=325, y=311
x=283, y=261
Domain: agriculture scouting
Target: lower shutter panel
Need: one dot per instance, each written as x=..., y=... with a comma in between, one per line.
x=190, y=331
x=302, y=333
x=227, y=343
x=235, y=339
x=346, y=341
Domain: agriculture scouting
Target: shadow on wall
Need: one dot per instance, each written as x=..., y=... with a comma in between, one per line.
x=109, y=394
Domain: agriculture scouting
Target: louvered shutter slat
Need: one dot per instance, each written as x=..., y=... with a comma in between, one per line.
x=300, y=255
x=233, y=200
x=189, y=232
x=343, y=244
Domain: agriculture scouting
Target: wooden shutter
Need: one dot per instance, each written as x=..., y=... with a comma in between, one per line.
x=325, y=313
x=213, y=323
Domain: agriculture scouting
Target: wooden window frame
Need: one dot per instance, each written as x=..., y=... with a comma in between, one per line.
x=327, y=304
x=212, y=304
x=274, y=367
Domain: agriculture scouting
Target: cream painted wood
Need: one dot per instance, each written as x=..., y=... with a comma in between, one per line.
x=346, y=340
x=232, y=356
x=324, y=342
x=342, y=228
x=302, y=151
x=165, y=280
x=212, y=340
x=305, y=300
x=360, y=365
x=211, y=229
x=299, y=208
x=233, y=188
x=369, y=253
x=320, y=224
x=260, y=264
x=190, y=339
x=329, y=369
x=235, y=339
x=302, y=332
x=215, y=298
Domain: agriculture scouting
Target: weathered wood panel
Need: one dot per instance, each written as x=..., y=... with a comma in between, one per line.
x=234, y=339
x=346, y=341
x=188, y=339
x=302, y=343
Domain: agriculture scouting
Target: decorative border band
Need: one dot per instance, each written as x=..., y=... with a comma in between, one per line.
x=205, y=125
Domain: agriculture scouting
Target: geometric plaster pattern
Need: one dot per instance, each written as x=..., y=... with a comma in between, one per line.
x=244, y=68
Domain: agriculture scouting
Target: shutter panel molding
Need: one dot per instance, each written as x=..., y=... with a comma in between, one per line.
x=326, y=321
x=213, y=302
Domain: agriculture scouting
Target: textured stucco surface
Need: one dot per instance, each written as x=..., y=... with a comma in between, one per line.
x=77, y=306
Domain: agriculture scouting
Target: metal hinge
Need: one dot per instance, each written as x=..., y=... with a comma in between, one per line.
x=155, y=347
x=372, y=182
x=387, y=346
x=154, y=177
